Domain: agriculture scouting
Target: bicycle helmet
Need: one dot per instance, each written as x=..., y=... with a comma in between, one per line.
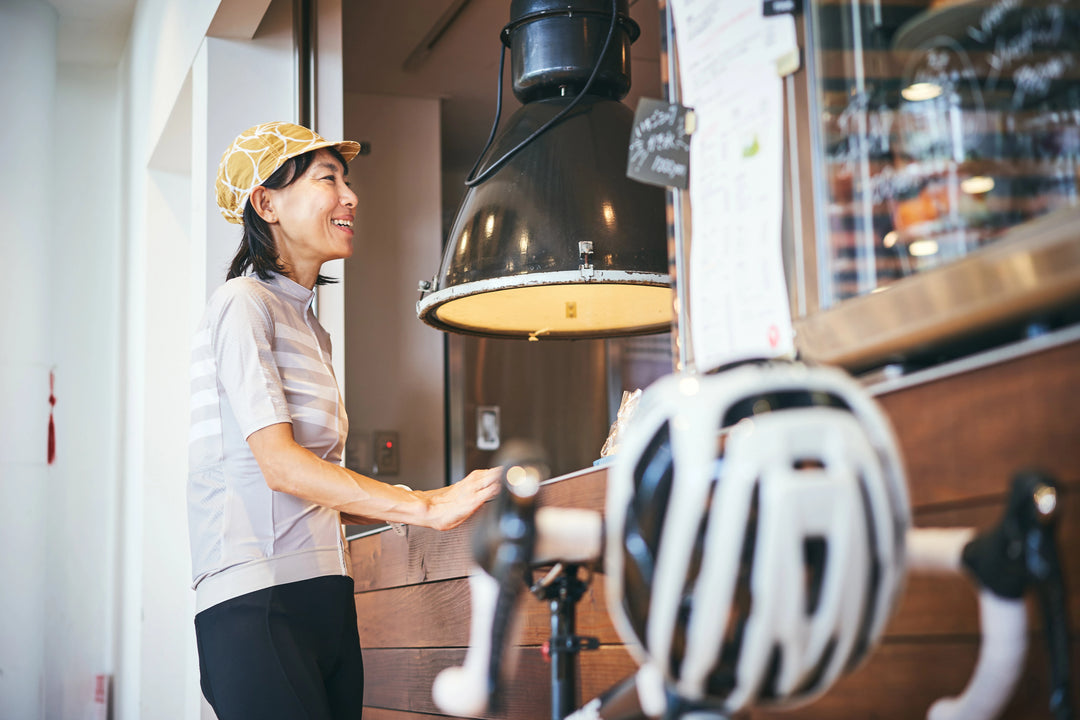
x=756, y=522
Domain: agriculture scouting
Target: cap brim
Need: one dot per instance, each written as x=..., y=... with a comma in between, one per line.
x=347, y=148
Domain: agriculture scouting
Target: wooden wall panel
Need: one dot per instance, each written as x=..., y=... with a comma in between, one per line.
x=946, y=605
x=374, y=713
x=387, y=559
x=438, y=616
x=962, y=438
x=903, y=679
x=401, y=678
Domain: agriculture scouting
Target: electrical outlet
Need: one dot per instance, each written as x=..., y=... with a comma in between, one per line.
x=385, y=453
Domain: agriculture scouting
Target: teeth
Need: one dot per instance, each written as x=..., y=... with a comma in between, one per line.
x=343, y=223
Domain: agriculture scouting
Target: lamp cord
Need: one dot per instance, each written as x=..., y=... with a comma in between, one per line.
x=472, y=180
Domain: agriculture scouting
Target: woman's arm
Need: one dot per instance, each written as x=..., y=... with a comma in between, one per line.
x=290, y=468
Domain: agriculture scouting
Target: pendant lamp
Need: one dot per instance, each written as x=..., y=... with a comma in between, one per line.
x=553, y=240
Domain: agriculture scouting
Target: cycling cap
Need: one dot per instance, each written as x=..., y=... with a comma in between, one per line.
x=756, y=522
x=257, y=153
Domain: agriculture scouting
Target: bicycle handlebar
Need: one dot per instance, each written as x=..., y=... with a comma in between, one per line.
x=464, y=690
x=1019, y=553
x=1003, y=622
x=568, y=535
x=1001, y=658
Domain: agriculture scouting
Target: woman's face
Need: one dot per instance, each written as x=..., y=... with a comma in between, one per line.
x=313, y=217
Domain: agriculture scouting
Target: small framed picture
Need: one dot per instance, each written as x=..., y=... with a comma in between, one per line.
x=487, y=427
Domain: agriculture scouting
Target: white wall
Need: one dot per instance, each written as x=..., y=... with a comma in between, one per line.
x=85, y=277
x=394, y=362
x=60, y=207
x=237, y=83
x=30, y=197
x=154, y=661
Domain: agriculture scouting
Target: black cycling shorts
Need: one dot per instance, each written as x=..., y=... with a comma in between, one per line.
x=287, y=652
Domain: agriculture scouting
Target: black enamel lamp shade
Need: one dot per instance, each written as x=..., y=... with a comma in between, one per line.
x=557, y=242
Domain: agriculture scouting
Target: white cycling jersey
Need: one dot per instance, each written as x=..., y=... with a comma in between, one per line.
x=259, y=357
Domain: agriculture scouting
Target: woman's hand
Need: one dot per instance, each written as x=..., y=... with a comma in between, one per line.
x=290, y=468
x=451, y=505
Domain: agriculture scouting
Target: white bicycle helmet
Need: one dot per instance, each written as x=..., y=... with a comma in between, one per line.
x=756, y=522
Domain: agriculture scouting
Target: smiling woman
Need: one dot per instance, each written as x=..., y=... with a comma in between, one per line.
x=267, y=493
x=255, y=178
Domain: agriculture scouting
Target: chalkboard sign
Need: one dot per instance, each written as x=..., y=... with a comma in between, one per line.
x=771, y=8
x=660, y=144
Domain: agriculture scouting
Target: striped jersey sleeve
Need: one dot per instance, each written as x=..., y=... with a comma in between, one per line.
x=232, y=353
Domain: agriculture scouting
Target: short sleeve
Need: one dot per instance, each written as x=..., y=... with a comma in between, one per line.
x=241, y=329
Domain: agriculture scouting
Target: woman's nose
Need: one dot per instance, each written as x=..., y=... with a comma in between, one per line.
x=349, y=198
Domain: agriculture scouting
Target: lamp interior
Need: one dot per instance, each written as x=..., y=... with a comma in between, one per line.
x=564, y=310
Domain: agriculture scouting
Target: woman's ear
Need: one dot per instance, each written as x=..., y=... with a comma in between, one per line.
x=261, y=202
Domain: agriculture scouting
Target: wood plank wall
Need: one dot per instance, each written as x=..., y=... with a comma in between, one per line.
x=962, y=438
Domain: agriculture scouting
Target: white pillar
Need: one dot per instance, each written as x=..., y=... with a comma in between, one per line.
x=329, y=121
x=31, y=194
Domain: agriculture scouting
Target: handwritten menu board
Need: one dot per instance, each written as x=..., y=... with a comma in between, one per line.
x=731, y=57
x=659, y=152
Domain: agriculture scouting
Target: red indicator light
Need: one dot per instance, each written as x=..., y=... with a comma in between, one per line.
x=389, y=444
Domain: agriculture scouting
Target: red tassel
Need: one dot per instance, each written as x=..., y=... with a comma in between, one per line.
x=52, y=426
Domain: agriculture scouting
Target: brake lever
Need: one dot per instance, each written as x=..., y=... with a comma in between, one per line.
x=1021, y=552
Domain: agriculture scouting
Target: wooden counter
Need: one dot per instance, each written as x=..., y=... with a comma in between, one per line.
x=962, y=437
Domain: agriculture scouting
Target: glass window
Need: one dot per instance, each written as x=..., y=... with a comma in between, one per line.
x=938, y=126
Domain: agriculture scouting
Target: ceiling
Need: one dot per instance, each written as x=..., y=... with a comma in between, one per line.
x=92, y=32
x=459, y=65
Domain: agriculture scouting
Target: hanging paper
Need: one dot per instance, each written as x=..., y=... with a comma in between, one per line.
x=731, y=57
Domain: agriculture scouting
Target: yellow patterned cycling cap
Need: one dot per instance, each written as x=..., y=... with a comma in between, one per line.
x=257, y=153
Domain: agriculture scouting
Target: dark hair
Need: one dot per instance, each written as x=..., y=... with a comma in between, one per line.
x=257, y=250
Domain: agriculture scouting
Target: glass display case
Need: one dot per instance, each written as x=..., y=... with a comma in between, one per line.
x=935, y=159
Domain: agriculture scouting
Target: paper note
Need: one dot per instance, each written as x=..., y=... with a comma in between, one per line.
x=728, y=55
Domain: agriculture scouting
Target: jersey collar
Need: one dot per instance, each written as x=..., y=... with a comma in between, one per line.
x=292, y=289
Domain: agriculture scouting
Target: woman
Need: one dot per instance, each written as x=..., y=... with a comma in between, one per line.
x=267, y=494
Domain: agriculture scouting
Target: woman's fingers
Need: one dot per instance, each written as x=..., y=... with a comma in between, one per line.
x=487, y=481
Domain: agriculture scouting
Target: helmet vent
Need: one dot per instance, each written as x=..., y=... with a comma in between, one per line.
x=873, y=581
x=813, y=680
x=815, y=553
x=645, y=515
x=722, y=678
x=780, y=400
x=772, y=673
x=686, y=603
x=652, y=487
